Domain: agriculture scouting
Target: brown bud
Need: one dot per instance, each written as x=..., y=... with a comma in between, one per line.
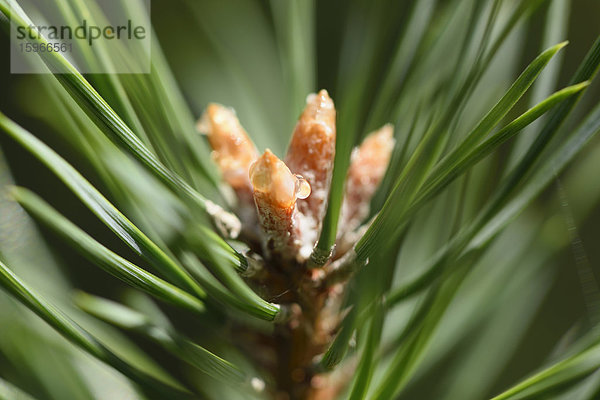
x=368, y=165
x=275, y=192
x=310, y=154
x=233, y=150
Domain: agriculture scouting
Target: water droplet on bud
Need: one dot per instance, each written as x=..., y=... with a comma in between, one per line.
x=302, y=187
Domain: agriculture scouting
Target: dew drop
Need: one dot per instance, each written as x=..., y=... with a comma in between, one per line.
x=302, y=187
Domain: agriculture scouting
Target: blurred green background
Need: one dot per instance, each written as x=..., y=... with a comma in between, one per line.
x=225, y=52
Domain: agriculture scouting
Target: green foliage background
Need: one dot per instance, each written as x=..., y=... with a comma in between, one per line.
x=528, y=302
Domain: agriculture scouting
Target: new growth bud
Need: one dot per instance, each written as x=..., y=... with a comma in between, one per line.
x=310, y=154
x=233, y=150
x=368, y=165
x=275, y=192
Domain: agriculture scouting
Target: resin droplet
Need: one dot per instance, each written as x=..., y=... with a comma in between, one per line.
x=302, y=187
